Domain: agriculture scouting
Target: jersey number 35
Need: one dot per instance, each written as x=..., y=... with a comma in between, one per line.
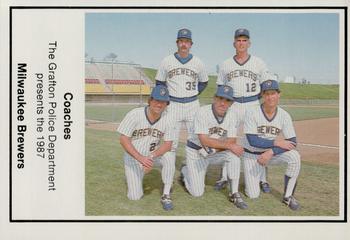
x=190, y=85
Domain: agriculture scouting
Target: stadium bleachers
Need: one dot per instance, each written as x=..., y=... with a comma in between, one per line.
x=105, y=78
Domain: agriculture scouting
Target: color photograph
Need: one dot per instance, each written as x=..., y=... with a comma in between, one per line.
x=212, y=114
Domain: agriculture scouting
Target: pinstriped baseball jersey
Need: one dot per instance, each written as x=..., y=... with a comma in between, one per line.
x=257, y=123
x=182, y=79
x=244, y=78
x=206, y=122
x=146, y=136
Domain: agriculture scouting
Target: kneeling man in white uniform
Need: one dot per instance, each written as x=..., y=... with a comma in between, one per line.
x=262, y=146
x=213, y=141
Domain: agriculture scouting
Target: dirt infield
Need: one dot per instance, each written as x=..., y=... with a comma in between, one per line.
x=318, y=139
x=324, y=132
x=321, y=131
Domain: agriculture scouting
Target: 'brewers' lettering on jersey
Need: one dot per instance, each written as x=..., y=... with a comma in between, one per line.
x=183, y=71
x=268, y=130
x=139, y=133
x=145, y=136
x=212, y=126
x=181, y=78
x=244, y=78
x=241, y=73
x=257, y=123
x=218, y=130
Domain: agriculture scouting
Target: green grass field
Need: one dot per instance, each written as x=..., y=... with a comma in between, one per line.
x=115, y=113
x=106, y=188
x=306, y=113
x=109, y=113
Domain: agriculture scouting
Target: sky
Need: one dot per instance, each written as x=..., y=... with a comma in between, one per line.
x=303, y=45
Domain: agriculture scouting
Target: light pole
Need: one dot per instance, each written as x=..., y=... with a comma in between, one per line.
x=114, y=59
x=112, y=68
x=139, y=68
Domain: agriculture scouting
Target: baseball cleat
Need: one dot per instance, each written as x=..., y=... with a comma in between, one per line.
x=221, y=184
x=265, y=187
x=166, y=202
x=291, y=202
x=238, y=201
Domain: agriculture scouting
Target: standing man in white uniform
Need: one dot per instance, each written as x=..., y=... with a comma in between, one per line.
x=147, y=135
x=262, y=125
x=244, y=73
x=185, y=77
x=213, y=141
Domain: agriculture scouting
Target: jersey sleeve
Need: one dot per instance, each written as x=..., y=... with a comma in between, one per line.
x=221, y=76
x=288, y=128
x=128, y=124
x=250, y=125
x=202, y=73
x=161, y=73
x=199, y=123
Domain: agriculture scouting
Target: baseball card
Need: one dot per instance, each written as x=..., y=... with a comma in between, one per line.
x=189, y=117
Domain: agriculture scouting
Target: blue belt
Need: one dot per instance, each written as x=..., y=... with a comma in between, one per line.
x=246, y=99
x=184, y=100
x=193, y=145
x=251, y=152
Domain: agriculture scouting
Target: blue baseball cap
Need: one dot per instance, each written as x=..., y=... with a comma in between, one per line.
x=184, y=33
x=270, y=85
x=225, y=92
x=160, y=93
x=241, y=32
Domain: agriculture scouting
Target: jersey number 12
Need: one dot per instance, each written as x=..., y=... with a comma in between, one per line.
x=251, y=87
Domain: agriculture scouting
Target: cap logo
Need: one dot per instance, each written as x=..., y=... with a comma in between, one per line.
x=240, y=30
x=162, y=92
x=226, y=89
x=269, y=83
